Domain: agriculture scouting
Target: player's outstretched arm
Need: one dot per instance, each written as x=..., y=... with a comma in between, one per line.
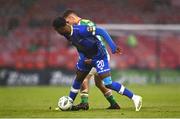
x=106, y=36
x=92, y=30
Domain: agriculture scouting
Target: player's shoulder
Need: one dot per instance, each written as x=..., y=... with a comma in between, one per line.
x=87, y=22
x=84, y=29
x=80, y=28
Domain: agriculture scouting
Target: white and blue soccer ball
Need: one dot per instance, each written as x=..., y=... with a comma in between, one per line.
x=65, y=103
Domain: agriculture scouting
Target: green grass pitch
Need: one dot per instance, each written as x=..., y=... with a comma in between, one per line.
x=158, y=101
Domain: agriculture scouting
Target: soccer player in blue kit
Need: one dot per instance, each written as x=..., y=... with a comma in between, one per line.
x=72, y=18
x=89, y=47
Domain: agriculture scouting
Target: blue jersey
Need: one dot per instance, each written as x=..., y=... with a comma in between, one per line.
x=84, y=39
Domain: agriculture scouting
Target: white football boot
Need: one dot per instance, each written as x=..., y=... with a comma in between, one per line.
x=137, y=102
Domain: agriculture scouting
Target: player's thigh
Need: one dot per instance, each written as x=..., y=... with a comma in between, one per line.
x=104, y=75
x=100, y=85
x=80, y=75
x=82, y=70
x=85, y=84
x=98, y=81
x=81, y=66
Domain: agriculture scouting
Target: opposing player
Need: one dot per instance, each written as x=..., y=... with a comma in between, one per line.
x=89, y=47
x=72, y=18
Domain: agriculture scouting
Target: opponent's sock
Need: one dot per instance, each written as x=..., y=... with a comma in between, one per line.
x=110, y=97
x=84, y=97
x=74, y=89
x=111, y=100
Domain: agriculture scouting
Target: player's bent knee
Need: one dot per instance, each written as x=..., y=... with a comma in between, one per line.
x=107, y=82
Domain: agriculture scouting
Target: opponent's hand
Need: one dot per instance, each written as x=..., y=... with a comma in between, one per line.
x=88, y=61
x=118, y=50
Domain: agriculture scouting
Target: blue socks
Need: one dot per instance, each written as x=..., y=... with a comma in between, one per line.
x=74, y=89
x=120, y=89
x=128, y=93
x=114, y=86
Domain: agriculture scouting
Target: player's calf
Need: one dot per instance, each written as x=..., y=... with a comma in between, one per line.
x=119, y=88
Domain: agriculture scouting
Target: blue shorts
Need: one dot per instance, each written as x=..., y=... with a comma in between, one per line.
x=101, y=65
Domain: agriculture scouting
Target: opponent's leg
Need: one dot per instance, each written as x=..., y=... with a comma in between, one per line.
x=85, y=89
x=107, y=93
x=84, y=105
x=85, y=86
x=80, y=76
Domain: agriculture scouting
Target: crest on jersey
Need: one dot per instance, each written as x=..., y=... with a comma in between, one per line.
x=91, y=29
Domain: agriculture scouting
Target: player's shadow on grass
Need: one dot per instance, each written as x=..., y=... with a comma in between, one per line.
x=159, y=109
x=101, y=109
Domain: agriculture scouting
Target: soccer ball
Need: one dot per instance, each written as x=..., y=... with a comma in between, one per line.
x=65, y=103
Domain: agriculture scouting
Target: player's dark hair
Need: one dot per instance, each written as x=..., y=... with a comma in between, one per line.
x=68, y=12
x=59, y=22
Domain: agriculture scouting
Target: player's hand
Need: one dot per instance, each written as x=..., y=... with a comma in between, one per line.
x=118, y=51
x=88, y=61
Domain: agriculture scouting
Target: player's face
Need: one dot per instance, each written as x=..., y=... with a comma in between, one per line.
x=70, y=20
x=65, y=31
x=61, y=31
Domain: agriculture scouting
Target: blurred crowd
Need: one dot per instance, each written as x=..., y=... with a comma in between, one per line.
x=27, y=40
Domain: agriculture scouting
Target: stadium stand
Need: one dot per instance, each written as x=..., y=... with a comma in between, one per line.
x=27, y=40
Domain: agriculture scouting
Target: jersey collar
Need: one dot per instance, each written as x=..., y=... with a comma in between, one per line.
x=71, y=31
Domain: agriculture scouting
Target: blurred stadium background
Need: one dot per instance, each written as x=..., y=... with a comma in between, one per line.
x=32, y=53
